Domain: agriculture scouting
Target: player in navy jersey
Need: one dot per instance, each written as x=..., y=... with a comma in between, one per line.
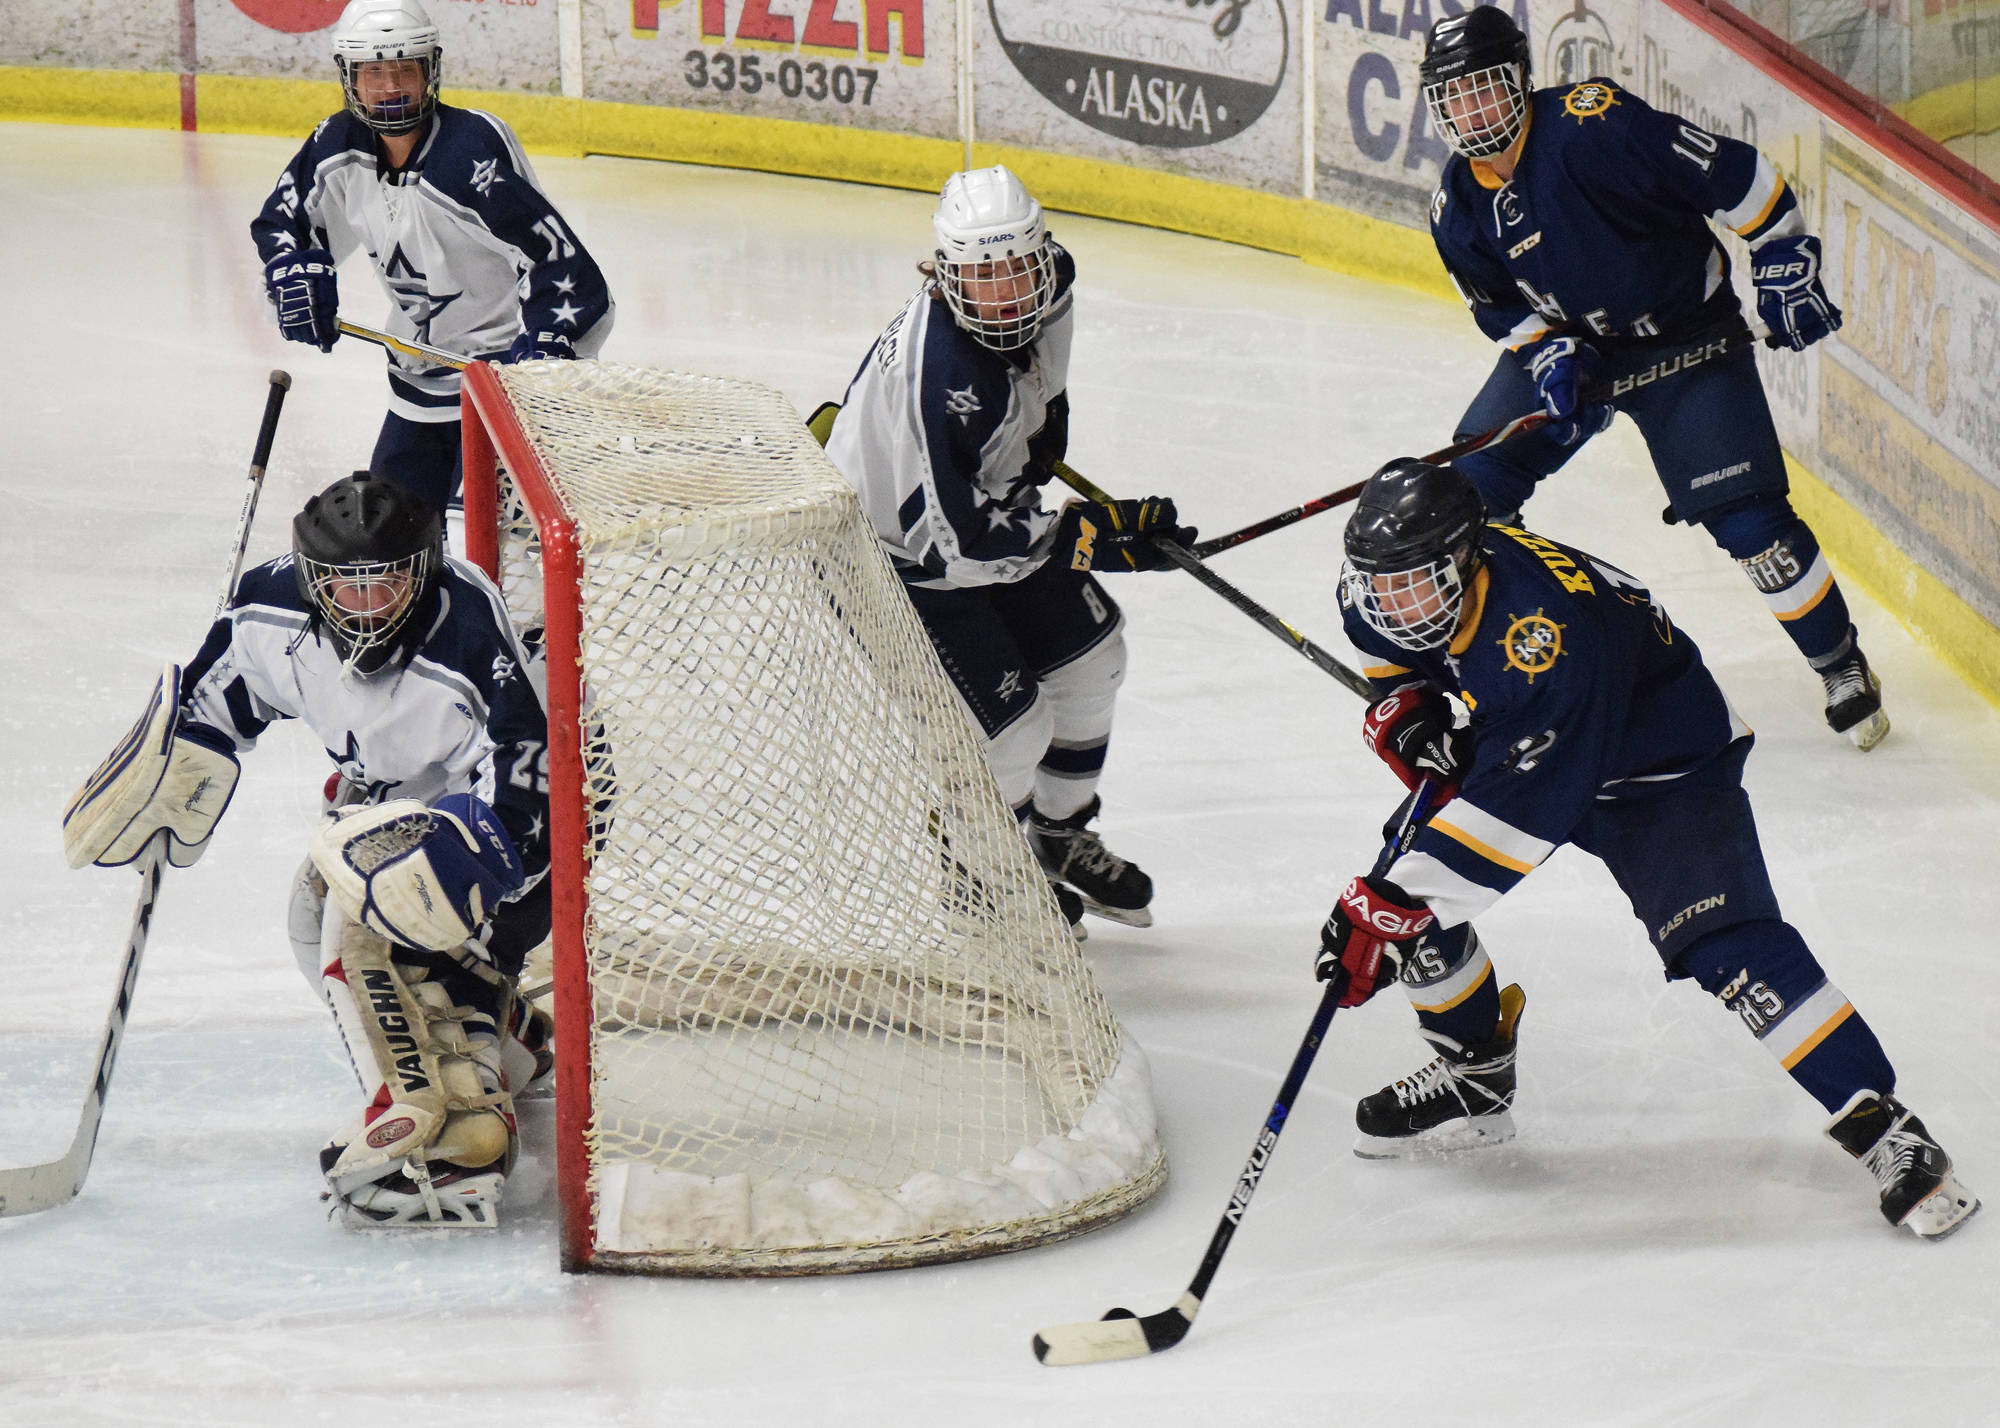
x=426, y=888
x=949, y=430
x=1575, y=224
x=1593, y=721
x=474, y=257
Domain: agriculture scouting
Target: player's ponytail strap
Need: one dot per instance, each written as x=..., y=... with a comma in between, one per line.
x=162, y=779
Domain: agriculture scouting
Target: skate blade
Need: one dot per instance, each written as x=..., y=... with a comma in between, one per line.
x=1943, y=1211
x=1127, y=916
x=1870, y=731
x=1446, y=1139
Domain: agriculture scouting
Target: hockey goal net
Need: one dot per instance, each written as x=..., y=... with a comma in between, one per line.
x=816, y=1008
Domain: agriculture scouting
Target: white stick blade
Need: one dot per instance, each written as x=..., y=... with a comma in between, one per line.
x=1096, y=1342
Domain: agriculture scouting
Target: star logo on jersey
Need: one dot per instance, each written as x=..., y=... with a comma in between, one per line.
x=567, y=314
x=1009, y=685
x=485, y=174
x=413, y=293
x=503, y=669
x=961, y=404
x=1589, y=101
x=1532, y=644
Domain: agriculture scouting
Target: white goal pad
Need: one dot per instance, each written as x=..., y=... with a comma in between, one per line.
x=816, y=1008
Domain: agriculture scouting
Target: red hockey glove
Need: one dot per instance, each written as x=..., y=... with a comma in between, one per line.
x=1362, y=944
x=1411, y=731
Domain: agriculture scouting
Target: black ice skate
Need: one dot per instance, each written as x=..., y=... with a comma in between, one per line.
x=1854, y=698
x=1918, y=1188
x=1462, y=1099
x=1110, y=887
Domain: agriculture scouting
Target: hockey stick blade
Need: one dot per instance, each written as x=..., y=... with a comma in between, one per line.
x=1120, y=1334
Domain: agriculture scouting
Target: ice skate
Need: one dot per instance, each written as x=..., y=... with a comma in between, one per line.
x=1461, y=1099
x=1071, y=853
x=1918, y=1188
x=1854, y=699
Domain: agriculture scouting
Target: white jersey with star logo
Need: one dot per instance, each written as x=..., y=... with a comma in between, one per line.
x=468, y=247
x=948, y=442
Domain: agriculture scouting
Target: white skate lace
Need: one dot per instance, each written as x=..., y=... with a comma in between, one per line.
x=1428, y=1084
x=1845, y=682
x=1089, y=853
x=1893, y=1155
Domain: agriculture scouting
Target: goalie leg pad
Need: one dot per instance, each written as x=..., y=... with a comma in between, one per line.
x=157, y=780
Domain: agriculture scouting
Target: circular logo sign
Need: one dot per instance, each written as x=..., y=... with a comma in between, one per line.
x=1169, y=74
x=1532, y=644
x=1589, y=101
x=389, y=1132
x=294, y=17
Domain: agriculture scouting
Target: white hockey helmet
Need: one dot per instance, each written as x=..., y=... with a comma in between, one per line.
x=993, y=262
x=371, y=30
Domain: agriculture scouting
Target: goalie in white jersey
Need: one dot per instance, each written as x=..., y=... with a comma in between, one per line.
x=474, y=257
x=426, y=887
x=949, y=430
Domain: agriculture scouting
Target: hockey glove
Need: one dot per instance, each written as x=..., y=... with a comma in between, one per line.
x=1119, y=536
x=1412, y=732
x=1791, y=300
x=1362, y=944
x=306, y=295
x=1049, y=445
x=1563, y=368
x=422, y=877
x=534, y=346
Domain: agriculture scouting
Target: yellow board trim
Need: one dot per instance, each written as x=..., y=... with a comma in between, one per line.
x=127, y=99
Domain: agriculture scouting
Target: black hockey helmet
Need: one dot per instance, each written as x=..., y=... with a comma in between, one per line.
x=1412, y=545
x=366, y=554
x=1475, y=78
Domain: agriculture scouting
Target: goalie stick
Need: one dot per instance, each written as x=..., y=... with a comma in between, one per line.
x=1186, y=559
x=32, y=1188
x=408, y=346
x=1700, y=351
x=1121, y=1334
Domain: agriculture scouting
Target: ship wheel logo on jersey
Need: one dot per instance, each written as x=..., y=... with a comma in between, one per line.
x=1532, y=644
x=1589, y=101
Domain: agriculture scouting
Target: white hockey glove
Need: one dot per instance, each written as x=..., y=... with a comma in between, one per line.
x=160, y=780
x=421, y=876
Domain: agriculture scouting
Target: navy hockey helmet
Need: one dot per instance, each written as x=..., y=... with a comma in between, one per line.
x=371, y=32
x=1475, y=78
x=1412, y=545
x=367, y=554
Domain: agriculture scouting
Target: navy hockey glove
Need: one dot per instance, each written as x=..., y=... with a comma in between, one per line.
x=1791, y=300
x=1362, y=944
x=1412, y=732
x=1563, y=368
x=1119, y=535
x=534, y=346
x=307, y=296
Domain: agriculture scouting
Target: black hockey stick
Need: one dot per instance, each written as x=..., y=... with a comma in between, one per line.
x=1692, y=355
x=1186, y=559
x=1121, y=1334
x=32, y=1188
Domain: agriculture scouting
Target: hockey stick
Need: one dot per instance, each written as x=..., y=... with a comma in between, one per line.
x=1689, y=356
x=32, y=1188
x=1186, y=559
x=1121, y=1334
x=409, y=347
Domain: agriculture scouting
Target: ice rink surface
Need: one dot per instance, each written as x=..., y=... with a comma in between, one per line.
x=1669, y=1241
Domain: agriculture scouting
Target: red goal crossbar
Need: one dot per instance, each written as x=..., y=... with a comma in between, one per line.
x=491, y=430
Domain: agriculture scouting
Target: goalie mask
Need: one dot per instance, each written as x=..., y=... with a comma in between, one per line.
x=387, y=54
x=993, y=262
x=367, y=553
x=1475, y=77
x=1412, y=546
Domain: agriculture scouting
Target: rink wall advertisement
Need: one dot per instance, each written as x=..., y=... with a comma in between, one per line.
x=1294, y=124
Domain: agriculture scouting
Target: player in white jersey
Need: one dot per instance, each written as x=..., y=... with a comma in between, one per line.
x=949, y=430
x=474, y=257
x=426, y=888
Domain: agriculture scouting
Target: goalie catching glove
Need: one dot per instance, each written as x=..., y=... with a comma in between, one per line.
x=1361, y=946
x=164, y=779
x=420, y=876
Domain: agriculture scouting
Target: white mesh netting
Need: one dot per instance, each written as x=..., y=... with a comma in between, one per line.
x=839, y=1022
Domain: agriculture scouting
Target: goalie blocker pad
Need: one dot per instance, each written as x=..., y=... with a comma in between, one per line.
x=157, y=780
x=421, y=876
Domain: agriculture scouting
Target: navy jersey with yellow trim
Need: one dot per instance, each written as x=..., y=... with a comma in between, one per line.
x=1580, y=689
x=1604, y=226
